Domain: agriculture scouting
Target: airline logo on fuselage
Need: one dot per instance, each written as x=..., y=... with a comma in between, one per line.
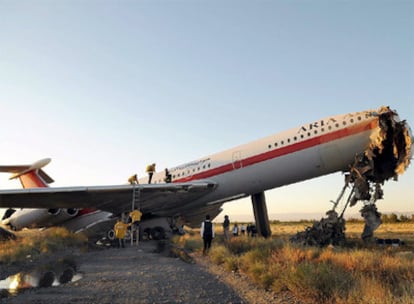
x=332, y=121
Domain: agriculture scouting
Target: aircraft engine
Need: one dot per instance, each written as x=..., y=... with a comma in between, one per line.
x=54, y=211
x=37, y=218
x=60, y=217
x=72, y=211
x=30, y=218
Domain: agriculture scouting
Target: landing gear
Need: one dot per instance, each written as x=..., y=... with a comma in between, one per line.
x=260, y=214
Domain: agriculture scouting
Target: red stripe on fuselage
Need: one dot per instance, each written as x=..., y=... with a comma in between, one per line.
x=302, y=145
x=86, y=211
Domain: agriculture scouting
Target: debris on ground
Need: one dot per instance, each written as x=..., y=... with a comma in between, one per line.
x=372, y=221
x=327, y=231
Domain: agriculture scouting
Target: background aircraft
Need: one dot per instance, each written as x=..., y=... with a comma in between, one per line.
x=375, y=138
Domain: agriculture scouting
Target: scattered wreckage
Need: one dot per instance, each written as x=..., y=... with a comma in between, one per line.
x=387, y=156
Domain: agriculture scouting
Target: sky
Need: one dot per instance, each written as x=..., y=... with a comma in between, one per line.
x=106, y=87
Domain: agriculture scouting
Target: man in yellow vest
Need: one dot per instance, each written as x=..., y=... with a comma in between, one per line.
x=150, y=170
x=120, y=231
x=135, y=217
x=133, y=180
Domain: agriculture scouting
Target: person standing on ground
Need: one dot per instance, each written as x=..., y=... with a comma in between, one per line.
x=226, y=228
x=150, y=170
x=120, y=231
x=135, y=216
x=207, y=233
x=235, y=230
x=242, y=229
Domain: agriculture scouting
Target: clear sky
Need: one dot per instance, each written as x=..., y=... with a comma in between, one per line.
x=106, y=87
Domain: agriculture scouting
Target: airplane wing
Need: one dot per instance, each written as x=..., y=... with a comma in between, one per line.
x=158, y=199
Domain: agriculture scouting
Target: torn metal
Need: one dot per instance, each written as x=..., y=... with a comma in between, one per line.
x=329, y=230
x=387, y=156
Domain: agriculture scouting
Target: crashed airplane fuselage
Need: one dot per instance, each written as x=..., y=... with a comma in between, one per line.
x=371, y=146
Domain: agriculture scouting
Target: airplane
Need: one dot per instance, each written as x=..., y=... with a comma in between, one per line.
x=377, y=138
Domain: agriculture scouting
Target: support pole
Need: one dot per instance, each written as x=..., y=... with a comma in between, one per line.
x=132, y=209
x=260, y=214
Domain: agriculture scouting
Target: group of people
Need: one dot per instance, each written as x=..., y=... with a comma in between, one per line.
x=150, y=169
x=207, y=231
x=127, y=222
x=250, y=229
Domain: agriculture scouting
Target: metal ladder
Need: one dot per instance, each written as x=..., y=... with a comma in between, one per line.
x=136, y=199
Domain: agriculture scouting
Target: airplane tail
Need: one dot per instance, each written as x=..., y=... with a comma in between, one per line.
x=30, y=176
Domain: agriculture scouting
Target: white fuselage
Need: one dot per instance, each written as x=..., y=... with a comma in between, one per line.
x=311, y=150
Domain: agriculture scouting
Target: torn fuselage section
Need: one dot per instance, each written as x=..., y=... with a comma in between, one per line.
x=387, y=156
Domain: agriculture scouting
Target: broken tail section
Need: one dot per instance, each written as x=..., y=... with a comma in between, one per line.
x=30, y=176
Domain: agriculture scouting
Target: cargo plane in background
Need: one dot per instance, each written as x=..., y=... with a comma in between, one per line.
x=377, y=137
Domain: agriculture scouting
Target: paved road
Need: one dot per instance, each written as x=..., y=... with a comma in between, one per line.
x=134, y=275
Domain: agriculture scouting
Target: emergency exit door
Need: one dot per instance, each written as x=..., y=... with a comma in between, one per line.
x=237, y=160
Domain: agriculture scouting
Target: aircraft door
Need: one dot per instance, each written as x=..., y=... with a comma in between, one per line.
x=237, y=160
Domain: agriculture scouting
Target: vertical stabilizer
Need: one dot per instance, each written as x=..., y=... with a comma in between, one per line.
x=30, y=176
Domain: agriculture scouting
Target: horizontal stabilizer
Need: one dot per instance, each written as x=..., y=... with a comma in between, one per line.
x=20, y=170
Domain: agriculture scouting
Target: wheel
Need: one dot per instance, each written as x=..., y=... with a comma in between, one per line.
x=158, y=233
x=111, y=234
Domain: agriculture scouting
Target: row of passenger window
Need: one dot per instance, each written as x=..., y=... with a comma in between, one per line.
x=185, y=173
x=295, y=138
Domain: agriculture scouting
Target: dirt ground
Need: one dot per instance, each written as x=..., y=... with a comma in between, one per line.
x=139, y=275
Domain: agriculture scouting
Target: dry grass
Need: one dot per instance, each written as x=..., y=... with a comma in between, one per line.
x=33, y=243
x=354, y=274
